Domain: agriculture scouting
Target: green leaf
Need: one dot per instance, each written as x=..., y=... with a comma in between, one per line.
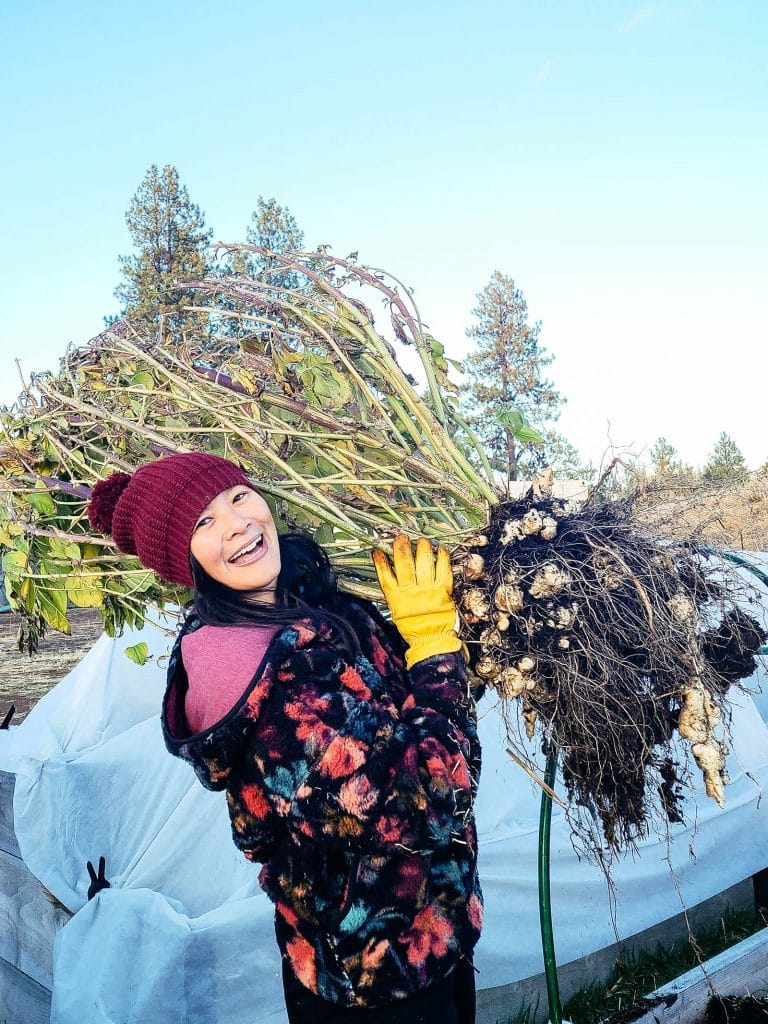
x=53, y=606
x=50, y=567
x=323, y=534
x=138, y=654
x=82, y=592
x=15, y=563
x=42, y=502
x=518, y=426
x=62, y=551
x=510, y=419
x=6, y=540
x=302, y=464
x=55, y=593
x=529, y=436
x=323, y=467
x=321, y=382
x=246, y=379
x=139, y=582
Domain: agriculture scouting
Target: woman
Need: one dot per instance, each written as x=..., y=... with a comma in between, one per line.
x=348, y=753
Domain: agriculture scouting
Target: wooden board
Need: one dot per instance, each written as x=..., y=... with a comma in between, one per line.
x=737, y=971
x=28, y=921
x=7, y=835
x=22, y=1000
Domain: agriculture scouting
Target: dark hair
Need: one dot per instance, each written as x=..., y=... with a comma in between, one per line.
x=306, y=588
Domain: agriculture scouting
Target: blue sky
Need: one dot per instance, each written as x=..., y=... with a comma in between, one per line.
x=609, y=156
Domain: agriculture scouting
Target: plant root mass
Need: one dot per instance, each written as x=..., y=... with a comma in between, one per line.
x=613, y=642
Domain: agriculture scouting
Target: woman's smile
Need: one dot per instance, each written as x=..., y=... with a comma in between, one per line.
x=252, y=552
x=235, y=542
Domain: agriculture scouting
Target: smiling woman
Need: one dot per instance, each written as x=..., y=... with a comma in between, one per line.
x=347, y=745
x=235, y=542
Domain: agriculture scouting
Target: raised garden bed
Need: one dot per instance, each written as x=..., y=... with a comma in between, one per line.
x=29, y=922
x=717, y=990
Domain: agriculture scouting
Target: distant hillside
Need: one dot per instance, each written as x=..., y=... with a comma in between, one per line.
x=726, y=516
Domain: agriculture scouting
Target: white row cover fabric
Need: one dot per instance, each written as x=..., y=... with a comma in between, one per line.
x=184, y=933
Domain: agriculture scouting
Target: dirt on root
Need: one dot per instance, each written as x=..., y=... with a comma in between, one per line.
x=720, y=1010
x=25, y=678
x=737, y=1010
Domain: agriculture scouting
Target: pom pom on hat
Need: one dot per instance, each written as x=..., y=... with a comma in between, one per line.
x=153, y=513
x=104, y=498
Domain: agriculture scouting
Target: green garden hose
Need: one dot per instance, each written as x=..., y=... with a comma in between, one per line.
x=545, y=904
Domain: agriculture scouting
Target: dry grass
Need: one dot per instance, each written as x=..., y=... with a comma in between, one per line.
x=727, y=516
x=24, y=679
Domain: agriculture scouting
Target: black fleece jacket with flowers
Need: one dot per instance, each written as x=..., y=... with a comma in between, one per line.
x=352, y=781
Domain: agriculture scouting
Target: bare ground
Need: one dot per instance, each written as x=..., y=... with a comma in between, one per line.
x=24, y=679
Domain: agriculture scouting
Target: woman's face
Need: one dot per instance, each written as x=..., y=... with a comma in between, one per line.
x=235, y=542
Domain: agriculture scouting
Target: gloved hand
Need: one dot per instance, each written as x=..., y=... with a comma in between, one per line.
x=419, y=597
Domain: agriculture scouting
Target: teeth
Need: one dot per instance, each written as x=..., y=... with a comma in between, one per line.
x=247, y=550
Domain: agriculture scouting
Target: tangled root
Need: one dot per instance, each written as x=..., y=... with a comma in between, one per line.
x=614, y=642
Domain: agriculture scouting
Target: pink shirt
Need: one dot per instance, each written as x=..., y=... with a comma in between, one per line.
x=220, y=662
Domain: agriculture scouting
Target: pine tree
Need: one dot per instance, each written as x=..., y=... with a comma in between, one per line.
x=170, y=238
x=505, y=377
x=564, y=458
x=665, y=460
x=726, y=461
x=272, y=227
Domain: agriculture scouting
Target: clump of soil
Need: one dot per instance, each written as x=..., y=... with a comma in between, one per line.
x=736, y=1010
x=611, y=641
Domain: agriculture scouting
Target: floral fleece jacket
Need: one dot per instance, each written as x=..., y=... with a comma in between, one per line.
x=352, y=781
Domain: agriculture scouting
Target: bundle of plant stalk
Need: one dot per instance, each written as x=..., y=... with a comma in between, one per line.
x=607, y=641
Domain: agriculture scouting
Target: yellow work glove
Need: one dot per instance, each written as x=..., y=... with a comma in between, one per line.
x=419, y=597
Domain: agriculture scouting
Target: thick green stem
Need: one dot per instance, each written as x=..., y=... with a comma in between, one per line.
x=475, y=442
x=545, y=905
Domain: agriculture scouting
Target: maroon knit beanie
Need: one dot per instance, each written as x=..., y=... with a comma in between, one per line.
x=153, y=513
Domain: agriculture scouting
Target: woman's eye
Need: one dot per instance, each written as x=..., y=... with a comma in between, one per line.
x=203, y=522
x=238, y=496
